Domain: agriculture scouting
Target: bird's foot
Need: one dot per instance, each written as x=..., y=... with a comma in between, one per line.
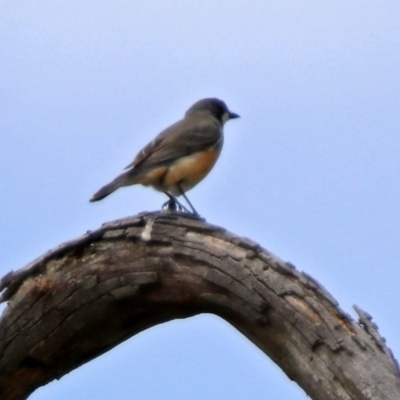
x=174, y=205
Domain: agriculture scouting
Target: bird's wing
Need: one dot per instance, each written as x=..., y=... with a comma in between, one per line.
x=185, y=137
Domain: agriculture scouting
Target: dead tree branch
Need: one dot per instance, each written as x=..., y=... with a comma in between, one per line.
x=88, y=295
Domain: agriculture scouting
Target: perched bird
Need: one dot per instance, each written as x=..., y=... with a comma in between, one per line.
x=180, y=156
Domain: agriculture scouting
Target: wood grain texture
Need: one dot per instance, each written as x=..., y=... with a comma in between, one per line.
x=88, y=295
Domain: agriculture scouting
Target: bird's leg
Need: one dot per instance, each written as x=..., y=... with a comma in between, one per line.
x=173, y=204
x=194, y=212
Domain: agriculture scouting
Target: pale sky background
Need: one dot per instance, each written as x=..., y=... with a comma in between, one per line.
x=310, y=171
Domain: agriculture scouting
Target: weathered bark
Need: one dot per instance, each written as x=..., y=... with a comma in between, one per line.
x=86, y=296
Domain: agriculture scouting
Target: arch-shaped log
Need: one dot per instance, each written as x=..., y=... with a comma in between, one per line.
x=86, y=296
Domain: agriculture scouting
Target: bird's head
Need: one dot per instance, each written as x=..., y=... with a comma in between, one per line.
x=217, y=108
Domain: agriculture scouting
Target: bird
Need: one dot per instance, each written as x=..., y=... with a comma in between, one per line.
x=179, y=157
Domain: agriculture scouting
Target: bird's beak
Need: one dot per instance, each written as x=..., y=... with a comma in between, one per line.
x=233, y=115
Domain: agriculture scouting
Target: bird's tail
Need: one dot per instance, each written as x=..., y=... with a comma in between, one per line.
x=119, y=181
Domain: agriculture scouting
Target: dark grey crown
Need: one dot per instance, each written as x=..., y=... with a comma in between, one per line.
x=215, y=106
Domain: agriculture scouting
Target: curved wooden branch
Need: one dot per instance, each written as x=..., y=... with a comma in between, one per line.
x=86, y=296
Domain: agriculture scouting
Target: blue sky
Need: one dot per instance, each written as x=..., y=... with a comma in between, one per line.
x=310, y=171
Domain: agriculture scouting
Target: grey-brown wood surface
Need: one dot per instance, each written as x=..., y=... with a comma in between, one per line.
x=86, y=296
